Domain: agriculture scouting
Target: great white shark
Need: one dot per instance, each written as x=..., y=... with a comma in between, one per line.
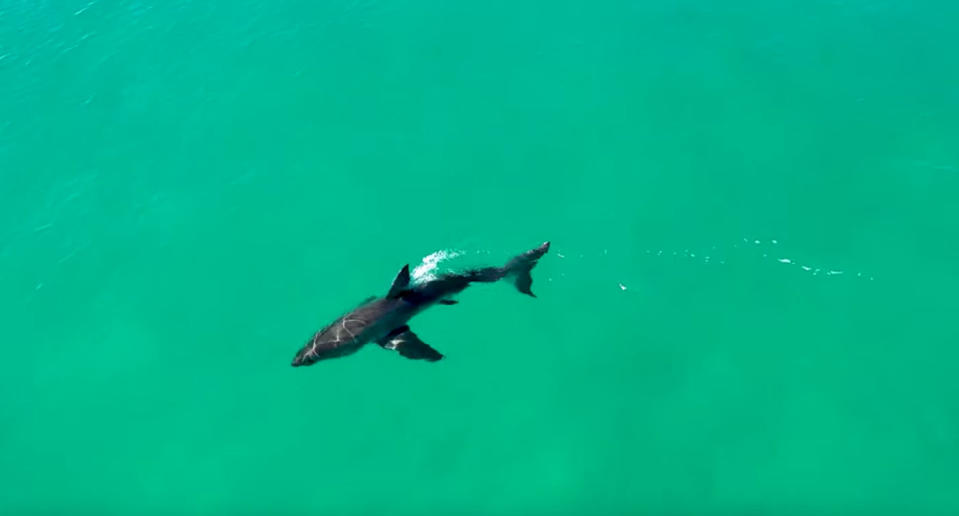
x=384, y=320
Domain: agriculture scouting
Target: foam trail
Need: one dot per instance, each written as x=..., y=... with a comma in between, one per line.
x=426, y=269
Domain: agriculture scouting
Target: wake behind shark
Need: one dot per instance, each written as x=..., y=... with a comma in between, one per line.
x=384, y=320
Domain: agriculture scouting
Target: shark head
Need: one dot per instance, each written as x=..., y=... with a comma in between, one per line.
x=336, y=340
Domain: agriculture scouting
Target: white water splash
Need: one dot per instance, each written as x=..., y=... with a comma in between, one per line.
x=426, y=269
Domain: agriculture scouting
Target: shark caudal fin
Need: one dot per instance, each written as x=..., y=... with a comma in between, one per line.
x=520, y=267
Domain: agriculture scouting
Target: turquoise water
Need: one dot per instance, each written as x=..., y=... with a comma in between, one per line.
x=749, y=307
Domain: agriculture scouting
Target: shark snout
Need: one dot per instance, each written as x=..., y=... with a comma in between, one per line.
x=299, y=360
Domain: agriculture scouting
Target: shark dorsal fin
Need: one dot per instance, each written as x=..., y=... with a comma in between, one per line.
x=400, y=284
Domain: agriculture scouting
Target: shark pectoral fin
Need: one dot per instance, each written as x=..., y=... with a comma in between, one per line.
x=409, y=345
x=400, y=284
x=448, y=301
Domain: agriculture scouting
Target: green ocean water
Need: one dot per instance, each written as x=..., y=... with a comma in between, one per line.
x=749, y=306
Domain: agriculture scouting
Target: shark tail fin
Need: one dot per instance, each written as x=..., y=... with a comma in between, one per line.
x=520, y=268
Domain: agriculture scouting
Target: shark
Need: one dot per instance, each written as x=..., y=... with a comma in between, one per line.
x=385, y=320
